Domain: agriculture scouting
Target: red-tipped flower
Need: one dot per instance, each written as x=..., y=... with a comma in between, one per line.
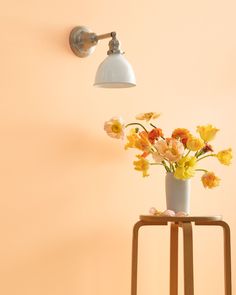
x=154, y=134
x=207, y=148
x=181, y=134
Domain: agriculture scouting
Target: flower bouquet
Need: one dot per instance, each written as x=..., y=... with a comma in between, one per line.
x=180, y=154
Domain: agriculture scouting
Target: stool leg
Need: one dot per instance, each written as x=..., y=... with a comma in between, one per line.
x=227, y=258
x=135, y=252
x=174, y=259
x=227, y=252
x=188, y=258
x=135, y=258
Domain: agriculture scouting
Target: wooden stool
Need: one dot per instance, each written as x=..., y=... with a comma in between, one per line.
x=186, y=224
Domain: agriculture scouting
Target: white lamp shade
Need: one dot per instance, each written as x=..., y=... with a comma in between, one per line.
x=115, y=72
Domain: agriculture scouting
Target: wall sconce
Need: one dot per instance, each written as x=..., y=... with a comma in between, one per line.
x=115, y=71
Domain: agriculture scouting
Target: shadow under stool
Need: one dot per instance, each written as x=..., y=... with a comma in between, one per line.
x=186, y=224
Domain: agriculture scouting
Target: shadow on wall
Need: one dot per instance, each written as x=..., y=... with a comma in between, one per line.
x=71, y=266
x=37, y=143
x=78, y=144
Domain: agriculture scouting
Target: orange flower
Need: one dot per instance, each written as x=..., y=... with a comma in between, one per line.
x=182, y=134
x=141, y=165
x=210, y=180
x=147, y=116
x=154, y=134
x=139, y=141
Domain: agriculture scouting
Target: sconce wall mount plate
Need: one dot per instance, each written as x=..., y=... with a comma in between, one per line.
x=82, y=41
x=115, y=71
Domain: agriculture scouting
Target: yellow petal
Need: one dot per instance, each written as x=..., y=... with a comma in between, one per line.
x=207, y=132
x=225, y=156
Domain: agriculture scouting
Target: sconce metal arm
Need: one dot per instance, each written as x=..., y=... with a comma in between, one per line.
x=83, y=41
x=105, y=36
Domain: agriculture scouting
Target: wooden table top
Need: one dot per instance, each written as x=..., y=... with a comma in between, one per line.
x=153, y=218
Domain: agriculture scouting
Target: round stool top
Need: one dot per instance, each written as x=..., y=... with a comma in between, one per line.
x=153, y=218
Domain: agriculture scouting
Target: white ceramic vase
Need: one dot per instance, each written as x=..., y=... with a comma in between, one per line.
x=177, y=194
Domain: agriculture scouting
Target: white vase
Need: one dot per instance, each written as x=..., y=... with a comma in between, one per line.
x=177, y=194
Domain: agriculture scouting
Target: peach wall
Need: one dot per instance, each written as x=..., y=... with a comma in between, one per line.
x=69, y=194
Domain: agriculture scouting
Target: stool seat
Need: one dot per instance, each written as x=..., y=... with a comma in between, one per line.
x=185, y=223
x=154, y=218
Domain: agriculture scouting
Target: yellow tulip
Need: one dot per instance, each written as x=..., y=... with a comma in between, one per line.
x=207, y=132
x=186, y=168
x=225, y=156
x=195, y=144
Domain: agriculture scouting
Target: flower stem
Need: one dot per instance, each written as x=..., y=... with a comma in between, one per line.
x=204, y=170
x=199, y=153
x=153, y=125
x=211, y=155
x=130, y=124
x=172, y=167
x=166, y=167
x=187, y=153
